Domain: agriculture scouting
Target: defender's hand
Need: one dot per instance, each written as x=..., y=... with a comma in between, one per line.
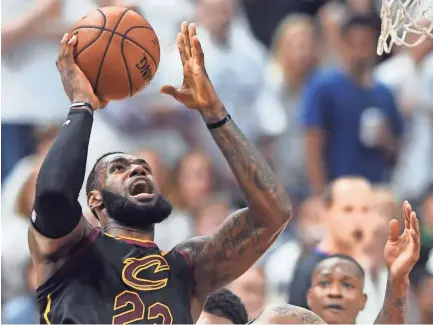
x=402, y=251
x=197, y=91
x=75, y=83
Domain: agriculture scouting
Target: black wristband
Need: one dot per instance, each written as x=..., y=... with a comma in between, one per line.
x=218, y=124
x=85, y=105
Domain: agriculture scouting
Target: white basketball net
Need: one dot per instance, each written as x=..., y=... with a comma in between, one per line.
x=400, y=17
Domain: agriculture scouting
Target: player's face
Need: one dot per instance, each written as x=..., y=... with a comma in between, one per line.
x=129, y=192
x=206, y=318
x=360, y=47
x=353, y=203
x=336, y=291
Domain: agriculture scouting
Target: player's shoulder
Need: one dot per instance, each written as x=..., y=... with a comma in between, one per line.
x=287, y=314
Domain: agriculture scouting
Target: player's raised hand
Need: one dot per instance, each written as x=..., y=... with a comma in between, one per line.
x=402, y=251
x=75, y=83
x=197, y=91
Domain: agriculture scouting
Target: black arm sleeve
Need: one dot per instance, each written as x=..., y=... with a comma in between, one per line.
x=57, y=210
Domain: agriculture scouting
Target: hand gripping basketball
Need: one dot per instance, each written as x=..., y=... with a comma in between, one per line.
x=75, y=83
x=197, y=91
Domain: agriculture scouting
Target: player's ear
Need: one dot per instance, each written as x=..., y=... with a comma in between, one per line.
x=94, y=200
x=363, y=302
x=309, y=298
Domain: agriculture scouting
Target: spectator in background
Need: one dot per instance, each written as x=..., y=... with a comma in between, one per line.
x=422, y=289
x=292, y=62
x=351, y=122
x=410, y=74
x=264, y=25
x=32, y=91
x=427, y=219
x=330, y=18
x=361, y=6
x=235, y=63
x=17, y=204
x=251, y=288
x=348, y=202
x=210, y=216
x=193, y=183
x=280, y=265
x=23, y=309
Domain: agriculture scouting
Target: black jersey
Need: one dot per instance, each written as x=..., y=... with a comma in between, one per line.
x=118, y=281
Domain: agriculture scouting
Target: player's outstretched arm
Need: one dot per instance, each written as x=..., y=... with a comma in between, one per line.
x=246, y=235
x=57, y=222
x=287, y=314
x=401, y=253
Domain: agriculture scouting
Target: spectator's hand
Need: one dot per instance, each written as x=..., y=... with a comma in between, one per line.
x=75, y=83
x=402, y=251
x=197, y=91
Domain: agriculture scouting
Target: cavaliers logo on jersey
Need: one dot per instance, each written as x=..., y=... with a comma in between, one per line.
x=133, y=276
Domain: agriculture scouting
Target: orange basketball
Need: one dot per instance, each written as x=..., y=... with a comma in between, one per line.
x=118, y=51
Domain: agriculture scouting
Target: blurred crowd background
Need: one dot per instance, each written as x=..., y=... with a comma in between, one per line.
x=349, y=134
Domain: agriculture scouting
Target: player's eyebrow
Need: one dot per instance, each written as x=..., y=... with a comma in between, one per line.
x=138, y=161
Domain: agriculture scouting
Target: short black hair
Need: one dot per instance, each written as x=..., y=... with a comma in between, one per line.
x=346, y=258
x=225, y=303
x=92, y=180
x=360, y=20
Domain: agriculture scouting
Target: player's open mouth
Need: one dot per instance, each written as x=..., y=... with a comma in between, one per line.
x=141, y=189
x=335, y=308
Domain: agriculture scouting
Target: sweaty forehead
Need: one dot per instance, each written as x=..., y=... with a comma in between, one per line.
x=338, y=266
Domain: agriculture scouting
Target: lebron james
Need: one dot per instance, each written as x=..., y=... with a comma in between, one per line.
x=117, y=275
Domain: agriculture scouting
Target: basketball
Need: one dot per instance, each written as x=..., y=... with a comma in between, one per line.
x=117, y=50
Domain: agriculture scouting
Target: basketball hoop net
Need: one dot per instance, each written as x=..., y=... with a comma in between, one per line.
x=400, y=17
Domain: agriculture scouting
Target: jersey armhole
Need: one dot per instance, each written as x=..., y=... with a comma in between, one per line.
x=188, y=262
x=50, y=285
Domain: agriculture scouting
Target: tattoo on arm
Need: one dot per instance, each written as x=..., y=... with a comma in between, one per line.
x=301, y=315
x=394, y=310
x=246, y=235
x=225, y=250
x=245, y=160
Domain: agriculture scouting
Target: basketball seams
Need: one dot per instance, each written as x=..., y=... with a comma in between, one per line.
x=97, y=37
x=139, y=45
x=126, y=66
x=107, y=47
x=109, y=30
x=142, y=48
x=125, y=37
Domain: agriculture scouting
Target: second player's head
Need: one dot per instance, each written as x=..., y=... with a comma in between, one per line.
x=121, y=187
x=223, y=307
x=336, y=292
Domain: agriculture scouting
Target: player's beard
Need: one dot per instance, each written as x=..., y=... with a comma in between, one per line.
x=135, y=215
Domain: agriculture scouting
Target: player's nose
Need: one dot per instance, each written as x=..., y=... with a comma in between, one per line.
x=137, y=170
x=334, y=291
